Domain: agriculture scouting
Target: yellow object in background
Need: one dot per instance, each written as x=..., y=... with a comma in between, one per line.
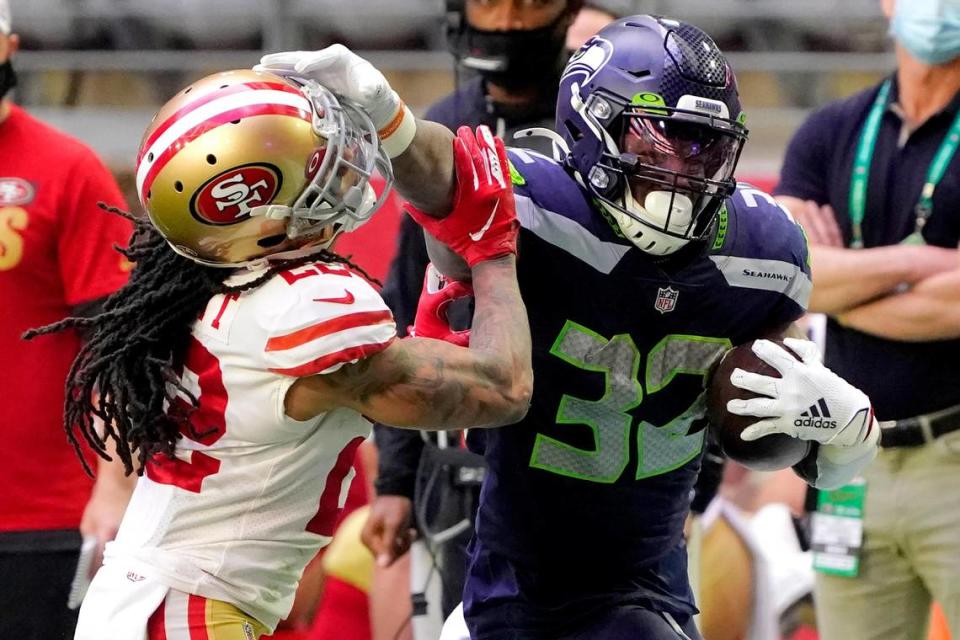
x=347, y=558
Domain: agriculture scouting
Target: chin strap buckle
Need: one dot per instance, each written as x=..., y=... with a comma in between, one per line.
x=272, y=211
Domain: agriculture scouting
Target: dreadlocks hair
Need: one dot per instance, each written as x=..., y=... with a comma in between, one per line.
x=128, y=368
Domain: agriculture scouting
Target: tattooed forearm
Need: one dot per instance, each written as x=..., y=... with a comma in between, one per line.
x=491, y=384
x=455, y=399
x=396, y=367
x=500, y=327
x=430, y=384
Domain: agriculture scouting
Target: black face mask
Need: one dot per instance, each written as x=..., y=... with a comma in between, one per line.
x=512, y=59
x=8, y=78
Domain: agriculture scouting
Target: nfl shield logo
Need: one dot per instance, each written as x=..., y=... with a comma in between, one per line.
x=666, y=299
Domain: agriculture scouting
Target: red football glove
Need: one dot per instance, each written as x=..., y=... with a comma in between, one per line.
x=483, y=224
x=431, y=321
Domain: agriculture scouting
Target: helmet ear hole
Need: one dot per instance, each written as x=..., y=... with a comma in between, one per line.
x=272, y=241
x=575, y=133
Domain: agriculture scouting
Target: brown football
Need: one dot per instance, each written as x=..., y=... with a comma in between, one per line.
x=769, y=453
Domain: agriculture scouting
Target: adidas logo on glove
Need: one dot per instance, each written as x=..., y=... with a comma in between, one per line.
x=816, y=416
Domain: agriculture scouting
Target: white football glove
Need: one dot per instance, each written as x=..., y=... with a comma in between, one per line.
x=808, y=402
x=346, y=74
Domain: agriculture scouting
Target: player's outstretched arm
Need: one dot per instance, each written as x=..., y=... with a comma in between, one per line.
x=420, y=150
x=433, y=384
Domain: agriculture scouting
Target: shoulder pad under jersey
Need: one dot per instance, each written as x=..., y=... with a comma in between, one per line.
x=554, y=206
x=759, y=245
x=318, y=317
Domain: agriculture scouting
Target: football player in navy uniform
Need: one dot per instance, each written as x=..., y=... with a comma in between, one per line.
x=641, y=261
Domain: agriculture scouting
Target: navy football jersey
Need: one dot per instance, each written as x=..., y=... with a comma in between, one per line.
x=593, y=486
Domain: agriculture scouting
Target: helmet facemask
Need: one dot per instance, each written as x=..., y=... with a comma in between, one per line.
x=338, y=193
x=665, y=174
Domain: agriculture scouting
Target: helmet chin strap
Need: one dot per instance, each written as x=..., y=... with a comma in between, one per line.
x=367, y=201
x=657, y=205
x=264, y=261
x=560, y=148
x=306, y=221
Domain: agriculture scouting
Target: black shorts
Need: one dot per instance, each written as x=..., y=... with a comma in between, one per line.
x=503, y=601
x=36, y=569
x=619, y=622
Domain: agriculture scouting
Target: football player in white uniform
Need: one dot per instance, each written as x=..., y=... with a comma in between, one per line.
x=241, y=394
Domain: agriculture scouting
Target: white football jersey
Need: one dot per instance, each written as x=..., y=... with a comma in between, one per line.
x=252, y=494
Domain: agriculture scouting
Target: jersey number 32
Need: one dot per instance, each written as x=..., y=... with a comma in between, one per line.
x=659, y=448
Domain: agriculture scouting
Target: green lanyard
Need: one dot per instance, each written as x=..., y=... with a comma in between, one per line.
x=861, y=171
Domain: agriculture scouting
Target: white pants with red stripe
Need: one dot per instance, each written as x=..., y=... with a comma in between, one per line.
x=125, y=604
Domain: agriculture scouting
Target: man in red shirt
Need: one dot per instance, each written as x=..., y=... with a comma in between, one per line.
x=56, y=259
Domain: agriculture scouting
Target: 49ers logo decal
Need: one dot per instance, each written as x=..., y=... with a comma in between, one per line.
x=228, y=197
x=15, y=191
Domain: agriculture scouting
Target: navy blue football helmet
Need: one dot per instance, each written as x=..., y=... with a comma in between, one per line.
x=649, y=111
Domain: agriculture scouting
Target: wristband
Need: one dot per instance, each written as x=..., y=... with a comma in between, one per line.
x=396, y=135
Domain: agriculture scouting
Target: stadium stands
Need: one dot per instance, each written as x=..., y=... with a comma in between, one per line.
x=100, y=68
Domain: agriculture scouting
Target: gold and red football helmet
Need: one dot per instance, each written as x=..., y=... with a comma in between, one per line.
x=245, y=164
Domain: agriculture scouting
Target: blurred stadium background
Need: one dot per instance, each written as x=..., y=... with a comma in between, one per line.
x=99, y=69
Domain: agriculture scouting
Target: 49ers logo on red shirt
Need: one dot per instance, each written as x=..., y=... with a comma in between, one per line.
x=15, y=191
x=228, y=197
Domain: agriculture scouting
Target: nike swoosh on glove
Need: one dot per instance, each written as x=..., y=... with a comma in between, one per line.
x=483, y=224
x=431, y=320
x=808, y=401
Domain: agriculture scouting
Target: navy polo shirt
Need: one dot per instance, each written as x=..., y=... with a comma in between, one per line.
x=903, y=379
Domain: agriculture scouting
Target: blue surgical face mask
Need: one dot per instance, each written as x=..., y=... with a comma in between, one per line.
x=928, y=29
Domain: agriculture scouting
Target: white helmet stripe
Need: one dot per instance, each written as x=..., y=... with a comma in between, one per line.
x=210, y=110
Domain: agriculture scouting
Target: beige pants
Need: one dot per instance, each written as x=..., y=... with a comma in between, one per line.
x=911, y=549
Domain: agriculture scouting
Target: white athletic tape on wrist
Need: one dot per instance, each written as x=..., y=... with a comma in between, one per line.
x=840, y=455
x=837, y=465
x=397, y=134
